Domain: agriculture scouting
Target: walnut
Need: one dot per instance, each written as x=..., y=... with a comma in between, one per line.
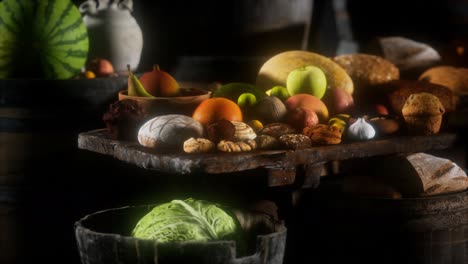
x=198, y=145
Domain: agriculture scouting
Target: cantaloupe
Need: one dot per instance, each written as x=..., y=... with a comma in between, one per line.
x=41, y=39
x=275, y=70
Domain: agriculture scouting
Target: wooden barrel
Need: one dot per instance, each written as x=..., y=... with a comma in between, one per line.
x=429, y=230
x=39, y=125
x=104, y=238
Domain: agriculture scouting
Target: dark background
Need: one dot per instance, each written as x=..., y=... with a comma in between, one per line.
x=209, y=28
x=205, y=40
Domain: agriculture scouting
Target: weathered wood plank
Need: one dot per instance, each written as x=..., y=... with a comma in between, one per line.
x=183, y=163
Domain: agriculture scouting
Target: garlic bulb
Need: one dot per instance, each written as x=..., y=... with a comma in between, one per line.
x=361, y=130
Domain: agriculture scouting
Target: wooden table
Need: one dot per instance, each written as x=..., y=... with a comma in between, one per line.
x=291, y=176
x=281, y=165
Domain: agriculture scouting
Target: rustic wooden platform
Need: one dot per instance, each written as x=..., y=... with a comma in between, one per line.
x=281, y=164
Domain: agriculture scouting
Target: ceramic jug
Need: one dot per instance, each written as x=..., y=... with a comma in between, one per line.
x=113, y=32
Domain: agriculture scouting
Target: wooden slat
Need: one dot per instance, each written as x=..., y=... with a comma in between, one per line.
x=182, y=163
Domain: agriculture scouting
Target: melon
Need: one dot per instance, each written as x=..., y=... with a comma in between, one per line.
x=41, y=39
x=275, y=71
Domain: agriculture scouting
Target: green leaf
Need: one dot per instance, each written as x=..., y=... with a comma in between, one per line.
x=188, y=220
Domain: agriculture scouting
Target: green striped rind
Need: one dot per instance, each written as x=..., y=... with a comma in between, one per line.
x=59, y=36
x=8, y=37
x=64, y=38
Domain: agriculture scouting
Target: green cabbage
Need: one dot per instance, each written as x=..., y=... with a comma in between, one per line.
x=188, y=220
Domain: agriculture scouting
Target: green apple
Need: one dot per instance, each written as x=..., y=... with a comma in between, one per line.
x=308, y=80
x=246, y=100
x=279, y=91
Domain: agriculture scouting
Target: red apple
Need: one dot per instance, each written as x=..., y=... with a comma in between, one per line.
x=380, y=109
x=302, y=117
x=338, y=101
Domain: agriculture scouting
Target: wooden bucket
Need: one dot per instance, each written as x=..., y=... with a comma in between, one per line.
x=429, y=230
x=104, y=238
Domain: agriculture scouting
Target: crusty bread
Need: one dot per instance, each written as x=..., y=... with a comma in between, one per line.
x=456, y=79
x=397, y=92
x=367, y=70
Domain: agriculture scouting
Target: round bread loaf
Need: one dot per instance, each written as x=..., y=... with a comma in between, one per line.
x=367, y=70
x=456, y=79
x=169, y=131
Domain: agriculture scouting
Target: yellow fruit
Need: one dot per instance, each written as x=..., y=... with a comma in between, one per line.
x=275, y=71
x=340, y=121
x=135, y=88
x=335, y=120
x=89, y=75
x=255, y=124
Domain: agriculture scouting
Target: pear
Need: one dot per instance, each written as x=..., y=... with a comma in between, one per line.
x=135, y=88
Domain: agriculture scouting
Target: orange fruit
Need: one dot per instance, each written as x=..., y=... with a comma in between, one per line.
x=217, y=108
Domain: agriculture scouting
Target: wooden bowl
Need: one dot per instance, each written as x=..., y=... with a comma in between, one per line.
x=184, y=104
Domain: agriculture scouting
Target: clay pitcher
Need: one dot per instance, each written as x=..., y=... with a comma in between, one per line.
x=113, y=32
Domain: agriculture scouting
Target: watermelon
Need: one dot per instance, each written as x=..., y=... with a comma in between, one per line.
x=41, y=39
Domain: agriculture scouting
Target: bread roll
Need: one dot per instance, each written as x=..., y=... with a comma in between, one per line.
x=423, y=114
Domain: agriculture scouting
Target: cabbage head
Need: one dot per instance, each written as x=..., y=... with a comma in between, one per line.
x=187, y=220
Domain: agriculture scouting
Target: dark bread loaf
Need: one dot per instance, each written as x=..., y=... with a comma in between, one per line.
x=397, y=92
x=123, y=119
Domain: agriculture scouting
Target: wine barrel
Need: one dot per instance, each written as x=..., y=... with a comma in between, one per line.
x=39, y=125
x=104, y=238
x=427, y=230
